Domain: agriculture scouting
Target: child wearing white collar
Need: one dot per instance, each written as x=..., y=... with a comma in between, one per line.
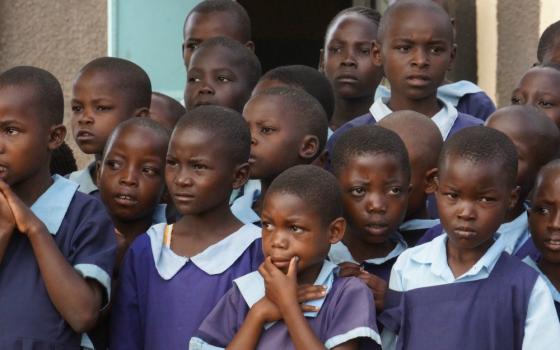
x=301, y=217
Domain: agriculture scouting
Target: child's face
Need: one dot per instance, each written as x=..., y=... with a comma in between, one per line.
x=131, y=178
x=347, y=57
x=203, y=26
x=198, y=173
x=375, y=194
x=24, y=137
x=97, y=108
x=215, y=77
x=472, y=201
x=291, y=228
x=275, y=138
x=415, y=52
x=544, y=215
x=539, y=87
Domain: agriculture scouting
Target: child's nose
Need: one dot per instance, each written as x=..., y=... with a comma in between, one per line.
x=349, y=59
x=206, y=89
x=376, y=203
x=466, y=210
x=554, y=223
x=130, y=178
x=85, y=117
x=420, y=57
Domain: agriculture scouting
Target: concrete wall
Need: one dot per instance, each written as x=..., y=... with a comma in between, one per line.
x=59, y=36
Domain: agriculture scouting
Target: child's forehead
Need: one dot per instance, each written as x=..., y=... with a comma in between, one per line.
x=353, y=21
x=202, y=26
x=462, y=167
x=541, y=76
x=409, y=21
x=217, y=56
x=132, y=137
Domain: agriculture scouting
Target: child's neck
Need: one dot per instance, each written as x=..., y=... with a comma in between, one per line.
x=132, y=229
x=346, y=109
x=31, y=189
x=362, y=250
x=310, y=274
x=428, y=106
x=193, y=233
x=552, y=271
x=462, y=260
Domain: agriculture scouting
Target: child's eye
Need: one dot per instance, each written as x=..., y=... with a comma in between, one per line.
x=103, y=108
x=267, y=130
x=365, y=50
x=266, y=225
x=544, y=104
x=515, y=100
x=11, y=131
x=395, y=190
x=436, y=50
x=451, y=195
x=171, y=162
x=150, y=171
x=335, y=49
x=192, y=46
x=541, y=210
x=193, y=80
x=357, y=191
x=77, y=109
x=403, y=48
x=296, y=229
x=198, y=166
x=112, y=164
x=223, y=79
x=487, y=199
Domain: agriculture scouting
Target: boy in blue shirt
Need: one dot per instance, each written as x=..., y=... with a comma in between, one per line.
x=56, y=245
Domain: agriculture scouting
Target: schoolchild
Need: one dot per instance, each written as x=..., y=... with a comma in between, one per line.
x=165, y=110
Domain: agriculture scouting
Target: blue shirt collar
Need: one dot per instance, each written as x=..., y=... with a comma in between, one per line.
x=515, y=233
x=339, y=252
x=242, y=207
x=418, y=224
x=84, y=180
x=555, y=293
x=252, y=289
x=52, y=205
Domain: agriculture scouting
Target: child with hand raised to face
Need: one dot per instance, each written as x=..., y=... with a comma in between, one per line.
x=462, y=277
x=544, y=221
x=302, y=217
x=174, y=275
x=106, y=92
x=57, y=246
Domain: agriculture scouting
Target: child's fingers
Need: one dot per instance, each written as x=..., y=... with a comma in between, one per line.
x=292, y=268
x=348, y=270
x=310, y=292
x=309, y=308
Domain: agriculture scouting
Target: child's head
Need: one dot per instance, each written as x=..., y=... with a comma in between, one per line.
x=373, y=170
x=222, y=72
x=423, y=142
x=107, y=91
x=544, y=218
x=346, y=55
x=476, y=186
x=214, y=18
x=416, y=46
x=535, y=137
x=31, y=112
x=288, y=127
x=539, y=87
x=165, y=110
x=207, y=158
x=302, y=216
x=131, y=173
x=548, y=50
x=302, y=77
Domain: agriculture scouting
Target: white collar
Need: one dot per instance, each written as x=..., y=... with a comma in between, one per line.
x=435, y=254
x=454, y=91
x=340, y=253
x=515, y=233
x=555, y=293
x=84, y=179
x=52, y=205
x=418, y=224
x=228, y=250
x=252, y=289
x=242, y=207
x=444, y=118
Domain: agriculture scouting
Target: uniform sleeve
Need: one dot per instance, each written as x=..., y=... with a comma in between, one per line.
x=126, y=324
x=542, y=328
x=94, y=245
x=223, y=322
x=353, y=317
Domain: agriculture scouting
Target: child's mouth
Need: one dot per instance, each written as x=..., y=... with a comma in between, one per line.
x=552, y=244
x=464, y=232
x=124, y=199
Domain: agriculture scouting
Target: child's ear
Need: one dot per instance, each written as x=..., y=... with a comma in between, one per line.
x=309, y=147
x=453, y=55
x=57, y=133
x=376, y=53
x=250, y=45
x=241, y=175
x=336, y=230
x=435, y=185
x=321, y=61
x=97, y=170
x=514, y=197
x=430, y=177
x=321, y=160
x=142, y=112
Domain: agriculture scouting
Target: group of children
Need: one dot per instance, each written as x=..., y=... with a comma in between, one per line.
x=301, y=209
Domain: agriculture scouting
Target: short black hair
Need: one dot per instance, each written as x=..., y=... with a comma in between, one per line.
x=130, y=77
x=175, y=108
x=245, y=57
x=142, y=122
x=317, y=187
x=231, y=7
x=423, y=5
x=48, y=97
x=372, y=14
x=550, y=166
x=309, y=113
x=226, y=125
x=308, y=79
x=481, y=144
x=63, y=161
x=548, y=40
x=369, y=139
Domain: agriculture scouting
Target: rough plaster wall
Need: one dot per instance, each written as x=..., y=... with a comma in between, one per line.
x=59, y=36
x=518, y=33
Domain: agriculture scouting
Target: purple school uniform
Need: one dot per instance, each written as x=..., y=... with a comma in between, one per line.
x=343, y=316
x=83, y=232
x=162, y=298
x=484, y=314
x=477, y=104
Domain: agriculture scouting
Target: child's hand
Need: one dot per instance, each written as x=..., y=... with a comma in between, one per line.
x=377, y=285
x=7, y=221
x=267, y=310
x=281, y=289
x=25, y=221
x=309, y=292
